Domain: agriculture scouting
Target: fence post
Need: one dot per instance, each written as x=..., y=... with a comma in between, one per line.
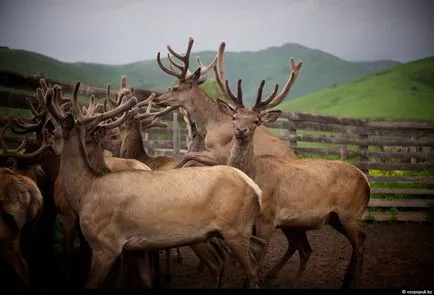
x=363, y=149
x=292, y=133
x=413, y=148
x=175, y=134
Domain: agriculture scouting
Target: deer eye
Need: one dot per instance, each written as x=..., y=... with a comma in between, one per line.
x=234, y=117
x=257, y=121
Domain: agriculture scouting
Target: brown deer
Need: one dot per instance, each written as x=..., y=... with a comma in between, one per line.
x=298, y=195
x=21, y=203
x=132, y=146
x=212, y=125
x=41, y=256
x=133, y=210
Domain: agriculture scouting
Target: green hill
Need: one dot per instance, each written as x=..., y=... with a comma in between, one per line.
x=320, y=70
x=404, y=92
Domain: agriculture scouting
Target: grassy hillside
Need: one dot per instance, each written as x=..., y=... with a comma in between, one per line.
x=320, y=70
x=404, y=92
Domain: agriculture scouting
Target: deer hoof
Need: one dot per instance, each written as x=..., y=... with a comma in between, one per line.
x=178, y=259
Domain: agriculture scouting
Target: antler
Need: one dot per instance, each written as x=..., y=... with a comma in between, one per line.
x=181, y=71
x=274, y=100
x=16, y=153
x=34, y=124
x=144, y=115
x=237, y=101
x=123, y=91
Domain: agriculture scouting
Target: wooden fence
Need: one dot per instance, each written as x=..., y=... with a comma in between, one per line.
x=396, y=155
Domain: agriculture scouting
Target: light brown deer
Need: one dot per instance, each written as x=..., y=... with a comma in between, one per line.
x=132, y=147
x=134, y=210
x=298, y=195
x=212, y=125
x=21, y=203
x=94, y=149
x=95, y=154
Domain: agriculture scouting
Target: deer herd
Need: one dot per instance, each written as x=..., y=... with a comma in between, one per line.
x=224, y=199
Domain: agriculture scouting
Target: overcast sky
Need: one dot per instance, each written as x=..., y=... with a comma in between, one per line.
x=123, y=31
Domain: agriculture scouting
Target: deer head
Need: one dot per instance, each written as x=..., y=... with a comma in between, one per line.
x=89, y=123
x=246, y=120
x=188, y=81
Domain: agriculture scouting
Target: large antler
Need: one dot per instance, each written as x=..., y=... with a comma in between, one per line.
x=237, y=101
x=23, y=125
x=18, y=153
x=123, y=91
x=146, y=114
x=181, y=71
x=98, y=117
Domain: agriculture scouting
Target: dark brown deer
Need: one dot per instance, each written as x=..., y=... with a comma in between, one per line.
x=21, y=203
x=117, y=212
x=212, y=125
x=41, y=256
x=298, y=195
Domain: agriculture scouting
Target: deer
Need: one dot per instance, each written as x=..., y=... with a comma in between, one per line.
x=213, y=126
x=132, y=147
x=21, y=205
x=41, y=257
x=211, y=200
x=298, y=195
x=93, y=146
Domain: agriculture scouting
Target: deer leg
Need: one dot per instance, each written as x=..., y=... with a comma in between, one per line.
x=178, y=258
x=351, y=229
x=304, y=250
x=13, y=255
x=264, y=230
x=209, y=257
x=154, y=256
x=168, y=267
x=69, y=225
x=240, y=247
x=144, y=268
x=224, y=255
x=99, y=268
x=292, y=247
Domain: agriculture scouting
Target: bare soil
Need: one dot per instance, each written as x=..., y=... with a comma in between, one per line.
x=396, y=256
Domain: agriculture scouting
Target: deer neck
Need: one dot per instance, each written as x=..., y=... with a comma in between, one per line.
x=76, y=171
x=242, y=156
x=203, y=111
x=132, y=146
x=95, y=154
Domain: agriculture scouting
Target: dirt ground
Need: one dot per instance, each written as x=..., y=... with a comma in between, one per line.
x=397, y=256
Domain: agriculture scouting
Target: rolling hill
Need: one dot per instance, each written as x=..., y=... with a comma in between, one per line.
x=320, y=69
x=403, y=92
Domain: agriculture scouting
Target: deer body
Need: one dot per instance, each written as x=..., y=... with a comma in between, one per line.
x=299, y=195
x=21, y=200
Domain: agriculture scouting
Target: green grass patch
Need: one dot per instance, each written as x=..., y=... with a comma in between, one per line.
x=403, y=92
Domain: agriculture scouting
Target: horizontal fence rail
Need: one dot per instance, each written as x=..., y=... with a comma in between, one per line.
x=396, y=155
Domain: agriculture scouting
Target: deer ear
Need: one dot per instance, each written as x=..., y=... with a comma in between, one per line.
x=68, y=122
x=270, y=116
x=98, y=133
x=196, y=75
x=225, y=108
